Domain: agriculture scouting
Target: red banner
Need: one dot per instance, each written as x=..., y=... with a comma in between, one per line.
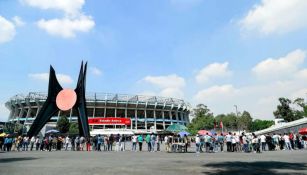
x=109, y=121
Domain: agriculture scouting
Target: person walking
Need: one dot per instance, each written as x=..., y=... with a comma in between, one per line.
x=37, y=143
x=158, y=142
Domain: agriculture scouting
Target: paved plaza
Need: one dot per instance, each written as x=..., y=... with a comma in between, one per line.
x=157, y=163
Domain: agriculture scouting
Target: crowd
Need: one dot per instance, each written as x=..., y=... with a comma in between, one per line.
x=153, y=142
x=249, y=142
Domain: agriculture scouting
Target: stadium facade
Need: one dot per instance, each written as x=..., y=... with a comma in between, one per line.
x=144, y=112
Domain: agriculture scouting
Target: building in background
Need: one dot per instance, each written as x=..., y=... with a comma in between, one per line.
x=137, y=113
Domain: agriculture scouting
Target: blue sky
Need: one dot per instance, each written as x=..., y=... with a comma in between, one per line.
x=219, y=53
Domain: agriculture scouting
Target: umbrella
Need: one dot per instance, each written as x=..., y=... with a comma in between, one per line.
x=176, y=128
x=302, y=131
x=182, y=133
x=52, y=131
x=204, y=132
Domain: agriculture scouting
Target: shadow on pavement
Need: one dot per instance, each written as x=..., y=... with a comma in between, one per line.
x=256, y=168
x=8, y=160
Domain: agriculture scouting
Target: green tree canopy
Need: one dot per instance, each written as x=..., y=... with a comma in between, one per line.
x=63, y=124
x=285, y=112
x=261, y=124
x=74, y=128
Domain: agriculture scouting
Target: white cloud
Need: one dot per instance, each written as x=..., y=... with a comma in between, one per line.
x=215, y=93
x=69, y=7
x=18, y=21
x=280, y=67
x=96, y=71
x=65, y=79
x=7, y=30
x=67, y=27
x=275, y=16
x=168, y=81
x=172, y=92
x=73, y=21
x=214, y=70
x=169, y=85
x=287, y=79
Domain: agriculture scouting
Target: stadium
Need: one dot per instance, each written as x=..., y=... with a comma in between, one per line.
x=137, y=113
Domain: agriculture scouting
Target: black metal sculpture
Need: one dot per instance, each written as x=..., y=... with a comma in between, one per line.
x=50, y=107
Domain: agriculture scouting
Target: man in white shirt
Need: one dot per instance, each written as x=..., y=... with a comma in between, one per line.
x=263, y=142
x=228, y=138
x=134, y=140
x=67, y=141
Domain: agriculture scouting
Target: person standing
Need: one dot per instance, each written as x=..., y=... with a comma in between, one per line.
x=152, y=142
x=147, y=139
x=197, y=143
x=88, y=144
x=99, y=142
x=140, y=140
x=287, y=141
x=263, y=142
x=25, y=143
x=32, y=141
x=228, y=141
x=67, y=141
x=221, y=141
x=158, y=142
x=166, y=143
x=72, y=142
x=244, y=142
x=111, y=140
x=117, y=139
x=134, y=140
x=37, y=143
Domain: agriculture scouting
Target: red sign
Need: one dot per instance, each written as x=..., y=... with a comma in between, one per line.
x=109, y=121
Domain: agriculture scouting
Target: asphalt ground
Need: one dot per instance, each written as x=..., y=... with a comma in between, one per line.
x=156, y=163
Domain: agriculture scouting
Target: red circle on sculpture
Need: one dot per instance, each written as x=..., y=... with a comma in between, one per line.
x=66, y=99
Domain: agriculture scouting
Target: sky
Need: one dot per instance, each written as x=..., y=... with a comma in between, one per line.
x=219, y=53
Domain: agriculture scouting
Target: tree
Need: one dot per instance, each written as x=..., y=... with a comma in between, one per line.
x=245, y=121
x=300, y=103
x=284, y=111
x=261, y=124
x=203, y=119
x=63, y=124
x=74, y=128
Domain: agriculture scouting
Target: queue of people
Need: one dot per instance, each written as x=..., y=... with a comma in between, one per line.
x=153, y=142
x=249, y=142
